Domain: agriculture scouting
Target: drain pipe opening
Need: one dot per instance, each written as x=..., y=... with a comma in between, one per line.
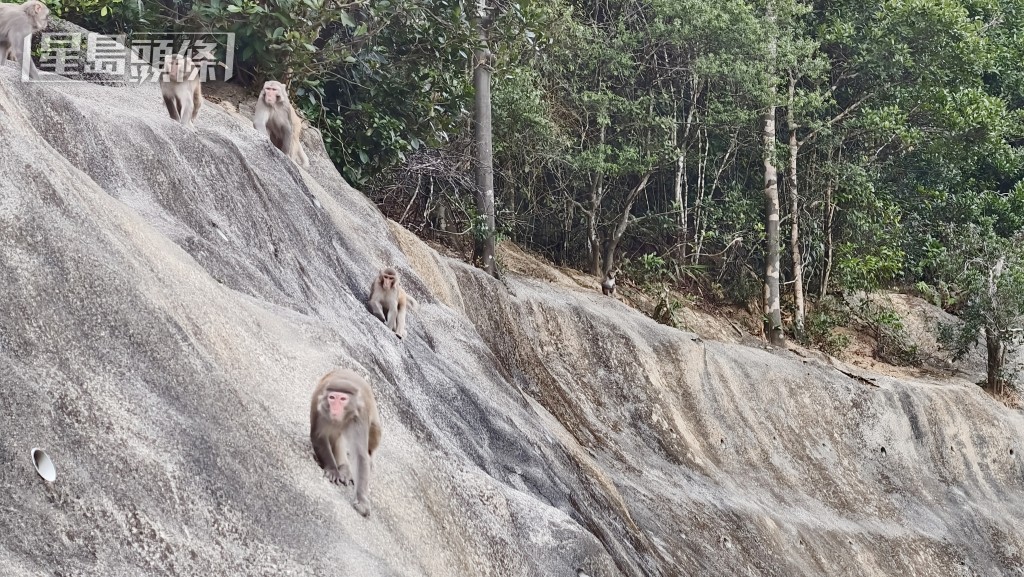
x=44, y=465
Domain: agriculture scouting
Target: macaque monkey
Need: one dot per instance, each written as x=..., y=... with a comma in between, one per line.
x=18, y=22
x=276, y=118
x=183, y=93
x=388, y=301
x=343, y=423
x=608, y=284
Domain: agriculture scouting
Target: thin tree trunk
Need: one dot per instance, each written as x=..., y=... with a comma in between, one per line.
x=794, y=216
x=566, y=230
x=830, y=212
x=996, y=350
x=483, y=134
x=699, y=213
x=682, y=187
x=620, y=229
x=596, y=196
x=994, y=345
x=681, y=200
x=772, y=306
x=702, y=234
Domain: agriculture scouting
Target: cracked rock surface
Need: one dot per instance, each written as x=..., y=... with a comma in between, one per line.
x=168, y=299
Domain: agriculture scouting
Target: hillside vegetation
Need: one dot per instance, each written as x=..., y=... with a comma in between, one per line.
x=773, y=154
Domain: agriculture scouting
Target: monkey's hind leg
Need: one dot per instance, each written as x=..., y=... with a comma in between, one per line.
x=373, y=439
x=172, y=107
x=361, y=454
x=186, y=113
x=197, y=102
x=303, y=160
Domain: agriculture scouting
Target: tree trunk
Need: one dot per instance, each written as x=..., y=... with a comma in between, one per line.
x=593, y=213
x=772, y=306
x=620, y=229
x=993, y=340
x=830, y=212
x=996, y=358
x=483, y=137
x=700, y=187
x=681, y=201
x=794, y=215
x=682, y=185
x=593, y=242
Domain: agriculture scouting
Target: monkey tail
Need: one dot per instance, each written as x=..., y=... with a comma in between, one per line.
x=197, y=101
x=413, y=303
x=303, y=159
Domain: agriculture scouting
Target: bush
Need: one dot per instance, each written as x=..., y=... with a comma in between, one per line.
x=665, y=312
x=821, y=324
x=892, y=343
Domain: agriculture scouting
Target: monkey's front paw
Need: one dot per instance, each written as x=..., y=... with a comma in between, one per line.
x=339, y=476
x=345, y=474
x=363, y=508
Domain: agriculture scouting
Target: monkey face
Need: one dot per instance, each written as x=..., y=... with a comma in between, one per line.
x=273, y=92
x=388, y=278
x=178, y=68
x=337, y=401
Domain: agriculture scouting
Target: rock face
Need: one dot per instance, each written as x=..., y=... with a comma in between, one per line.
x=168, y=299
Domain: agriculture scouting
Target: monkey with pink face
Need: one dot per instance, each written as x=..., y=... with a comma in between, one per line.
x=18, y=22
x=343, y=424
x=276, y=118
x=389, y=301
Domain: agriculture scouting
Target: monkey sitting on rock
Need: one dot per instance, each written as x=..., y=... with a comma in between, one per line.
x=608, y=284
x=388, y=301
x=276, y=118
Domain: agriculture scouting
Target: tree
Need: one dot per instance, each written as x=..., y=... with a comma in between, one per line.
x=772, y=295
x=991, y=283
x=482, y=59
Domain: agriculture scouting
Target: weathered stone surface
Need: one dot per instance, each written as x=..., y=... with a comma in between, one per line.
x=168, y=299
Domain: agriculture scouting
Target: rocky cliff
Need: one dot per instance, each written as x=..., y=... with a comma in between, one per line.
x=168, y=299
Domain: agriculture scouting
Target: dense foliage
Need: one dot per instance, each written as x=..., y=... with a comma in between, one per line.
x=630, y=132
